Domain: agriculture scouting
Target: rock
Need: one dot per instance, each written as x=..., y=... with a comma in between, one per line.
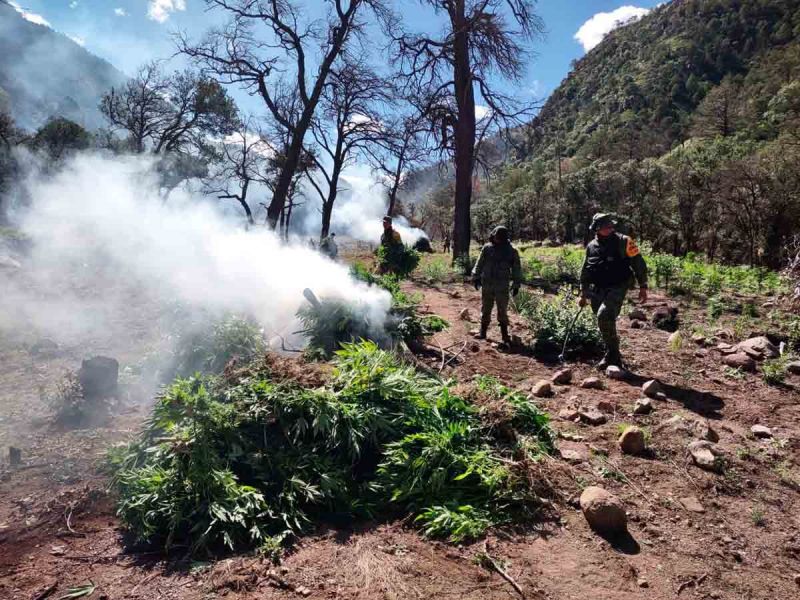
x=606, y=407
x=303, y=591
x=758, y=348
x=705, y=432
x=666, y=318
x=632, y=441
x=14, y=456
x=637, y=325
x=761, y=432
x=726, y=348
x=573, y=452
x=592, y=416
x=726, y=334
x=637, y=314
x=464, y=315
x=692, y=504
x=651, y=388
x=797, y=579
x=706, y=455
x=699, y=339
x=614, y=372
x=603, y=510
x=543, y=389
x=643, y=406
x=793, y=367
x=740, y=360
x=98, y=377
x=642, y=583
x=592, y=383
x=562, y=377
x=568, y=414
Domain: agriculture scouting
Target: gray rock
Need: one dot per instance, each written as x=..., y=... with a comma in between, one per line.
x=705, y=432
x=568, y=414
x=606, y=406
x=758, y=348
x=542, y=389
x=592, y=416
x=617, y=373
x=562, y=377
x=632, y=441
x=592, y=383
x=706, y=455
x=692, y=504
x=574, y=452
x=603, y=510
x=740, y=360
x=643, y=406
x=761, y=432
x=651, y=388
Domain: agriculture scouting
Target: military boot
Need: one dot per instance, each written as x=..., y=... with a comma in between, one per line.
x=504, y=333
x=612, y=357
x=481, y=335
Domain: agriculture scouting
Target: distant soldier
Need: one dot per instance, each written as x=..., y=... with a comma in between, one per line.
x=612, y=262
x=447, y=243
x=498, y=267
x=328, y=246
x=390, y=236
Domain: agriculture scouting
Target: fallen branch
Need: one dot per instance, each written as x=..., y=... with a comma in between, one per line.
x=693, y=582
x=490, y=563
x=454, y=357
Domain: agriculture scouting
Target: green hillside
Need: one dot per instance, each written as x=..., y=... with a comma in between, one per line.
x=687, y=122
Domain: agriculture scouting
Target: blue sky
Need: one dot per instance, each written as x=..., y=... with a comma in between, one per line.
x=128, y=33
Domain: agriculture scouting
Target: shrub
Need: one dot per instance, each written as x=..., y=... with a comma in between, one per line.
x=774, y=370
x=222, y=465
x=436, y=271
x=397, y=259
x=550, y=319
x=715, y=308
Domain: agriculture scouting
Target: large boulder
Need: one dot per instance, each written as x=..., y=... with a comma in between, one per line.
x=603, y=510
x=758, y=348
x=98, y=377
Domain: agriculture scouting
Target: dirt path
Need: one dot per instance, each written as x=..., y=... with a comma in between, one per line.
x=57, y=527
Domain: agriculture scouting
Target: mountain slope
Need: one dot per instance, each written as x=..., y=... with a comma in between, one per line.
x=44, y=73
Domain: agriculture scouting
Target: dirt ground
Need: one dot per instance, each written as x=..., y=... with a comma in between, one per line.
x=693, y=534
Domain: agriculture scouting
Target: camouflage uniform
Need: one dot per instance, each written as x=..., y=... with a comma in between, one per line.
x=498, y=269
x=610, y=266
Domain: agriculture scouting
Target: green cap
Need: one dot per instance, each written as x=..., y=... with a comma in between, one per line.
x=600, y=220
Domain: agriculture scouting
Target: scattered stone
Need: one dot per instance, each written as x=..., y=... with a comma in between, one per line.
x=464, y=315
x=603, y=510
x=726, y=334
x=637, y=314
x=705, y=432
x=614, y=372
x=642, y=583
x=14, y=456
x=758, y=348
x=706, y=455
x=740, y=360
x=666, y=318
x=303, y=591
x=592, y=416
x=592, y=383
x=726, y=348
x=643, y=406
x=699, y=339
x=573, y=452
x=606, y=406
x=692, y=504
x=543, y=389
x=98, y=377
x=562, y=377
x=661, y=396
x=651, y=388
x=761, y=432
x=568, y=414
x=793, y=367
x=637, y=325
x=632, y=441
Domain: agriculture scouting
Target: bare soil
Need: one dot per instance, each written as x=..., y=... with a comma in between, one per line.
x=58, y=529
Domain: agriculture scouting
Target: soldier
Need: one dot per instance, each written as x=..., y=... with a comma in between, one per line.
x=446, y=243
x=390, y=237
x=497, y=267
x=612, y=261
x=328, y=246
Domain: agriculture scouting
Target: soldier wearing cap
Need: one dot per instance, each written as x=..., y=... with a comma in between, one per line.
x=612, y=262
x=390, y=236
x=498, y=272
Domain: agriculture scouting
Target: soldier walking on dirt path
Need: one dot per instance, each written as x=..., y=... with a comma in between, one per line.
x=498, y=267
x=612, y=262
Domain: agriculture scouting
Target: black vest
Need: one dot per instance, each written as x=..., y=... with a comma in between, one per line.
x=606, y=262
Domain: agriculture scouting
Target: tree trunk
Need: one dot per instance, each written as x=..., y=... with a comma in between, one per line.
x=464, y=138
x=243, y=201
x=333, y=190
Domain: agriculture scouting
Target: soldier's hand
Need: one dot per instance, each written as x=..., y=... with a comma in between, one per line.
x=583, y=301
x=515, y=289
x=642, y=295
x=477, y=283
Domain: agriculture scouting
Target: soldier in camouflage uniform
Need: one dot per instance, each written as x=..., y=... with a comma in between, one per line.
x=612, y=262
x=498, y=267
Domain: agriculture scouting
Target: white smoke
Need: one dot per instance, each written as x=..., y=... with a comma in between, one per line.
x=101, y=220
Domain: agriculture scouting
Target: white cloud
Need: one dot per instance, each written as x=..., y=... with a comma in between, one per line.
x=120, y=12
x=29, y=16
x=73, y=4
x=481, y=112
x=160, y=10
x=77, y=39
x=595, y=29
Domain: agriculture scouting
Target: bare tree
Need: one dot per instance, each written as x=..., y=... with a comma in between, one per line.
x=443, y=74
x=345, y=127
x=242, y=161
x=267, y=49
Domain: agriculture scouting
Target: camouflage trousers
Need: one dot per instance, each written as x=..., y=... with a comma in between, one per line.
x=489, y=297
x=607, y=304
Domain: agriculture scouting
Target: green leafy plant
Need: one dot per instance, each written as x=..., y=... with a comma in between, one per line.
x=397, y=259
x=774, y=370
x=550, y=320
